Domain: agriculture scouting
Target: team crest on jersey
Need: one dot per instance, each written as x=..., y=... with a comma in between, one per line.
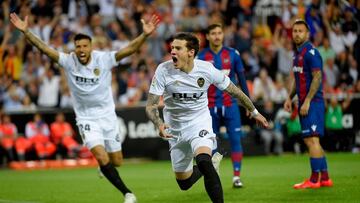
x=97, y=71
x=226, y=60
x=201, y=82
x=203, y=133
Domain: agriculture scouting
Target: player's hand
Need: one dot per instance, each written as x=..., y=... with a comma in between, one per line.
x=248, y=114
x=164, y=131
x=22, y=25
x=261, y=121
x=287, y=105
x=149, y=27
x=304, y=109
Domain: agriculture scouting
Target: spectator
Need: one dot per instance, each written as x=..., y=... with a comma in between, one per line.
x=333, y=123
x=49, y=89
x=62, y=135
x=37, y=132
x=9, y=133
x=263, y=86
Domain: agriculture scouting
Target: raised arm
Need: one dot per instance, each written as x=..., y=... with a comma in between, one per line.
x=247, y=103
x=22, y=25
x=134, y=45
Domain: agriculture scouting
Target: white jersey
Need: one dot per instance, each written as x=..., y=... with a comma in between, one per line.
x=90, y=84
x=185, y=94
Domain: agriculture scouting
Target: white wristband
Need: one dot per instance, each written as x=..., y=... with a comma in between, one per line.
x=254, y=113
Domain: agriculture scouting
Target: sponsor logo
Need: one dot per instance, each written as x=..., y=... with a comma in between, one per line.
x=203, y=133
x=201, y=82
x=187, y=96
x=298, y=69
x=137, y=130
x=226, y=60
x=86, y=81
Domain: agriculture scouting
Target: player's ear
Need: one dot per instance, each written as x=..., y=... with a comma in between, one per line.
x=191, y=52
x=207, y=37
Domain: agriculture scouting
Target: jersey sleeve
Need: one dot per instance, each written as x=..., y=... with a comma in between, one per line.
x=314, y=60
x=112, y=58
x=218, y=78
x=240, y=72
x=157, y=86
x=64, y=60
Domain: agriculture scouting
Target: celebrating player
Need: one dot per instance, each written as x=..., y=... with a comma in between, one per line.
x=89, y=76
x=184, y=81
x=223, y=108
x=308, y=71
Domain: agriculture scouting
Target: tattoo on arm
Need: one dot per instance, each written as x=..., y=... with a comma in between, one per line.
x=38, y=43
x=152, y=110
x=241, y=96
x=315, y=84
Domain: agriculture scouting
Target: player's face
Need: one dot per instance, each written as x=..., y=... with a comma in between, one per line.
x=299, y=34
x=180, y=54
x=215, y=37
x=83, y=50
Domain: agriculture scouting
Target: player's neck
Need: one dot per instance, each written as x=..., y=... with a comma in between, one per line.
x=215, y=49
x=189, y=65
x=87, y=62
x=298, y=46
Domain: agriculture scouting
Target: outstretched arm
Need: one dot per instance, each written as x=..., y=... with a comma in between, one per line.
x=247, y=103
x=22, y=25
x=134, y=45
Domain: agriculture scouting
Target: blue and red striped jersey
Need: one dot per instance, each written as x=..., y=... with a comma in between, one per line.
x=228, y=61
x=306, y=60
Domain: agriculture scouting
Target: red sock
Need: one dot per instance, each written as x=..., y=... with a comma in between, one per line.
x=314, y=177
x=324, y=175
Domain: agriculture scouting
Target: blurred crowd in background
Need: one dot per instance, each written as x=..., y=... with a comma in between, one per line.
x=259, y=29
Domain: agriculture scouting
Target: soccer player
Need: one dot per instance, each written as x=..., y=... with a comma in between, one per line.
x=308, y=71
x=223, y=108
x=184, y=81
x=89, y=76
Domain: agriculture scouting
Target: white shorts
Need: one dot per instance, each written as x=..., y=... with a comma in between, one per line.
x=186, y=142
x=102, y=131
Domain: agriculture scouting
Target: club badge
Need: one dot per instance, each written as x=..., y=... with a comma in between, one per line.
x=97, y=71
x=201, y=82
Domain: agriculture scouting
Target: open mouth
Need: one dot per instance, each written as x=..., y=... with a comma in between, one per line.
x=174, y=59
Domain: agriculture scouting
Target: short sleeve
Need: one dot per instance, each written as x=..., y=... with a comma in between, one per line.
x=157, y=86
x=314, y=60
x=219, y=79
x=64, y=60
x=110, y=56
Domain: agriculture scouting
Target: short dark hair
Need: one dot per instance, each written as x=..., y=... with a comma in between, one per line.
x=81, y=36
x=192, y=42
x=301, y=22
x=213, y=26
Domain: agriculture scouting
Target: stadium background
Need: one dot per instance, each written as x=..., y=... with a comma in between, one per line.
x=259, y=30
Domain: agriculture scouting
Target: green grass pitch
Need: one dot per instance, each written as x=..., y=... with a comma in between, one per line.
x=266, y=179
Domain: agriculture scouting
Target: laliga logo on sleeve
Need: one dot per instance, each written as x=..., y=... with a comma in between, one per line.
x=203, y=133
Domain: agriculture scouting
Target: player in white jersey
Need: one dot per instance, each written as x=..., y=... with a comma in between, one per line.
x=89, y=77
x=183, y=82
